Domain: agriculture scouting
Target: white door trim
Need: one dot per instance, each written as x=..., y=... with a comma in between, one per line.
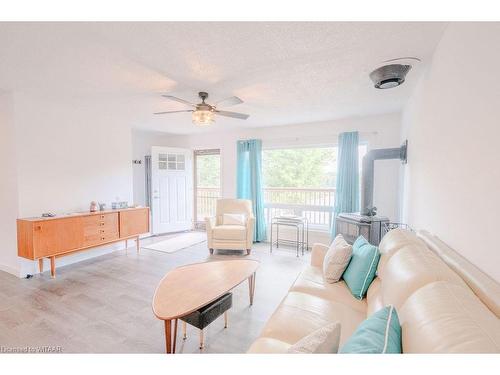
x=172, y=189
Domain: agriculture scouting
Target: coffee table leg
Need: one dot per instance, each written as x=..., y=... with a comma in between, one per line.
x=251, y=287
x=168, y=336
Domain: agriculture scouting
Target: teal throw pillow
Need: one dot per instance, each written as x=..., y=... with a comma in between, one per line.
x=380, y=334
x=361, y=269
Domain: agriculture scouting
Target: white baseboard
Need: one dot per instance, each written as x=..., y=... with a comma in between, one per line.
x=9, y=269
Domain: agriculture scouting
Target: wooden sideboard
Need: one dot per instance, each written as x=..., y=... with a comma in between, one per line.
x=53, y=237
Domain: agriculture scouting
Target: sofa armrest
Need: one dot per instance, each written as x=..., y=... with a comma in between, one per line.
x=209, y=224
x=318, y=254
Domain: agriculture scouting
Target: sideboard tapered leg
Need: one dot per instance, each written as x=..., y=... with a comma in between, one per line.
x=53, y=267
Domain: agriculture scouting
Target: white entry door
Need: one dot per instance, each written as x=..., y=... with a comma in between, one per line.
x=172, y=189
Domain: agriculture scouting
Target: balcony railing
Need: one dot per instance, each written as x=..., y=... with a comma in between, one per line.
x=315, y=204
x=206, y=200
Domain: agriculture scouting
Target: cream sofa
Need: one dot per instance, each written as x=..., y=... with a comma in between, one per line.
x=445, y=304
x=230, y=237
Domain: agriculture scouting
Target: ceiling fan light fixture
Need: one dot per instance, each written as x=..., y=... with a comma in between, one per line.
x=203, y=114
x=203, y=117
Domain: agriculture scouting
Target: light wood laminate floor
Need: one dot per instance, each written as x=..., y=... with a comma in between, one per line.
x=103, y=305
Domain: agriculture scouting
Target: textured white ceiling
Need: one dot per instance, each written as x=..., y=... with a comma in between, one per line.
x=285, y=72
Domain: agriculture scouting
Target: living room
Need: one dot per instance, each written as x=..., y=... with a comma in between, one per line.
x=249, y=187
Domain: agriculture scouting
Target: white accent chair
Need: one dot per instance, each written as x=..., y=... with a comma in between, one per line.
x=231, y=237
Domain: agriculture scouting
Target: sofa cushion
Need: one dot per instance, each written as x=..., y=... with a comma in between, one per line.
x=487, y=289
x=268, y=345
x=230, y=232
x=374, y=300
x=336, y=259
x=411, y=268
x=324, y=340
x=392, y=242
x=361, y=269
x=443, y=317
x=379, y=334
x=311, y=281
x=318, y=253
x=300, y=314
x=396, y=238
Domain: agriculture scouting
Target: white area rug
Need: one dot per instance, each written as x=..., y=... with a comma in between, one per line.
x=179, y=242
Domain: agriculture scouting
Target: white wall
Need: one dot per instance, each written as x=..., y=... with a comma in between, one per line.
x=69, y=151
x=8, y=185
x=452, y=122
x=142, y=141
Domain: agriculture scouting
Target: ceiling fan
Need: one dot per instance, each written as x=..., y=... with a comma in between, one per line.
x=204, y=113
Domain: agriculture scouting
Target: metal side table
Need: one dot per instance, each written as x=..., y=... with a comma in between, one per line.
x=301, y=226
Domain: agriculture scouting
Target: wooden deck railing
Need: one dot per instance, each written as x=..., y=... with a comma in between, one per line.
x=206, y=200
x=315, y=204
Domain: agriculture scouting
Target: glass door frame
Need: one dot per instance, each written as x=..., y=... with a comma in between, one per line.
x=203, y=152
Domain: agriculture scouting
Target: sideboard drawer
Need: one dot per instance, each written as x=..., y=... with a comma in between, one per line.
x=110, y=219
x=94, y=230
x=96, y=239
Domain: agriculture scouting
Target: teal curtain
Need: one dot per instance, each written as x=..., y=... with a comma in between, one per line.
x=249, y=182
x=347, y=187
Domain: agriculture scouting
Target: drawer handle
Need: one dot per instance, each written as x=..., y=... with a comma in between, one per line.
x=102, y=216
x=101, y=223
x=102, y=230
x=102, y=238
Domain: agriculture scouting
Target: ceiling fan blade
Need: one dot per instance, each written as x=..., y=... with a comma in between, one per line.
x=176, y=99
x=237, y=115
x=233, y=100
x=162, y=113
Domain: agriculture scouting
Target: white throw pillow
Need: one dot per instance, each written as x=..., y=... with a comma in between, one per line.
x=324, y=340
x=336, y=259
x=233, y=219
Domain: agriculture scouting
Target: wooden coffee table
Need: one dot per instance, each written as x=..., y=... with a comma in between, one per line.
x=186, y=289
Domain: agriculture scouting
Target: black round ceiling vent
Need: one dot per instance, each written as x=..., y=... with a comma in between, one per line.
x=389, y=76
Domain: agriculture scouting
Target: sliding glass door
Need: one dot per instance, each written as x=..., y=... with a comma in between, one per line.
x=207, y=184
